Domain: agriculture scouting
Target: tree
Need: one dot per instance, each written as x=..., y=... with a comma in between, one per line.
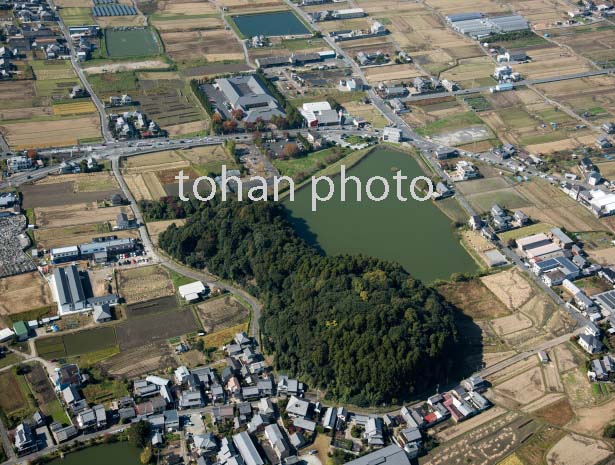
x=217, y=118
x=238, y=114
x=609, y=431
x=361, y=328
x=139, y=433
x=199, y=345
x=146, y=455
x=291, y=150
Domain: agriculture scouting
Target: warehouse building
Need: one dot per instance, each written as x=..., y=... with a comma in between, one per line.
x=68, y=290
x=250, y=95
x=478, y=26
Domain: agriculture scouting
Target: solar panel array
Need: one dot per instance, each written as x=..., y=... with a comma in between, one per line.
x=113, y=9
x=103, y=2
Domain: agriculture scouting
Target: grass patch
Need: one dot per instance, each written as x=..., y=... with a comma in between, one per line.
x=451, y=123
x=526, y=231
x=9, y=359
x=219, y=338
x=305, y=166
x=131, y=42
x=179, y=279
x=34, y=314
x=79, y=344
x=113, y=82
x=75, y=16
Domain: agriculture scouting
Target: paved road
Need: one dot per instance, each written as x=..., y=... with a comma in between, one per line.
x=84, y=81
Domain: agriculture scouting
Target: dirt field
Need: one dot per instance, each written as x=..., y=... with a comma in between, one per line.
x=145, y=283
x=511, y=323
x=558, y=413
x=592, y=420
x=138, y=188
x=605, y=257
x=474, y=299
x=524, y=388
x=83, y=182
x=50, y=133
x=146, y=359
x=75, y=214
x=155, y=327
x=24, y=292
x=578, y=450
x=221, y=313
x=157, y=227
x=510, y=287
x=552, y=380
x=126, y=66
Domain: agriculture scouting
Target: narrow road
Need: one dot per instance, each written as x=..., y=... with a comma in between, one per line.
x=524, y=355
x=198, y=275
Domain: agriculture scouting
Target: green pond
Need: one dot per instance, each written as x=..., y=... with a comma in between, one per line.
x=276, y=23
x=119, y=453
x=415, y=234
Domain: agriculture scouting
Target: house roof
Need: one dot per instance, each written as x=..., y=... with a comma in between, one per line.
x=391, y=455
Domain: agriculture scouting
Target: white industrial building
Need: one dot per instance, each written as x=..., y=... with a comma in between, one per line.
x=602, y=203
x=320, y=114
x=193, y=291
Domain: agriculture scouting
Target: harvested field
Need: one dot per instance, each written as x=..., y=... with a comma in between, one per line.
x=221, y=313
x=40, y=134
x=474, y=299
x=84, y=182
x=523, y=388
x=75, y=214
x=60, y=194
x=578, y=450
x=187, y=128
x=510, y=287
x=155, y=327
x=592, y=420
x=455, y=431
x=154, y=186
x=145, y=283
x=605, y=257
x=24, y=292
x=552, y=380
x=48, y=238
x=155, y=228
x=143, y=360
x=77, y=108
x=487, y=444
x=551, y=205
x=568, y=357
x=479, y=186
x=136, y=185
x=506, y=198
x=578, y=388
x=558, y=414
x=12, y=400
x=392, y=73
x=207, y=45
x=511, y=323
x=223, y=336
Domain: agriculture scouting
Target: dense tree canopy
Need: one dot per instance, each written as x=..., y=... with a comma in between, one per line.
x=361, y=328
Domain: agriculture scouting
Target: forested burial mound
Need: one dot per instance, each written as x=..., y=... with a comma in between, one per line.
x=360, y=328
